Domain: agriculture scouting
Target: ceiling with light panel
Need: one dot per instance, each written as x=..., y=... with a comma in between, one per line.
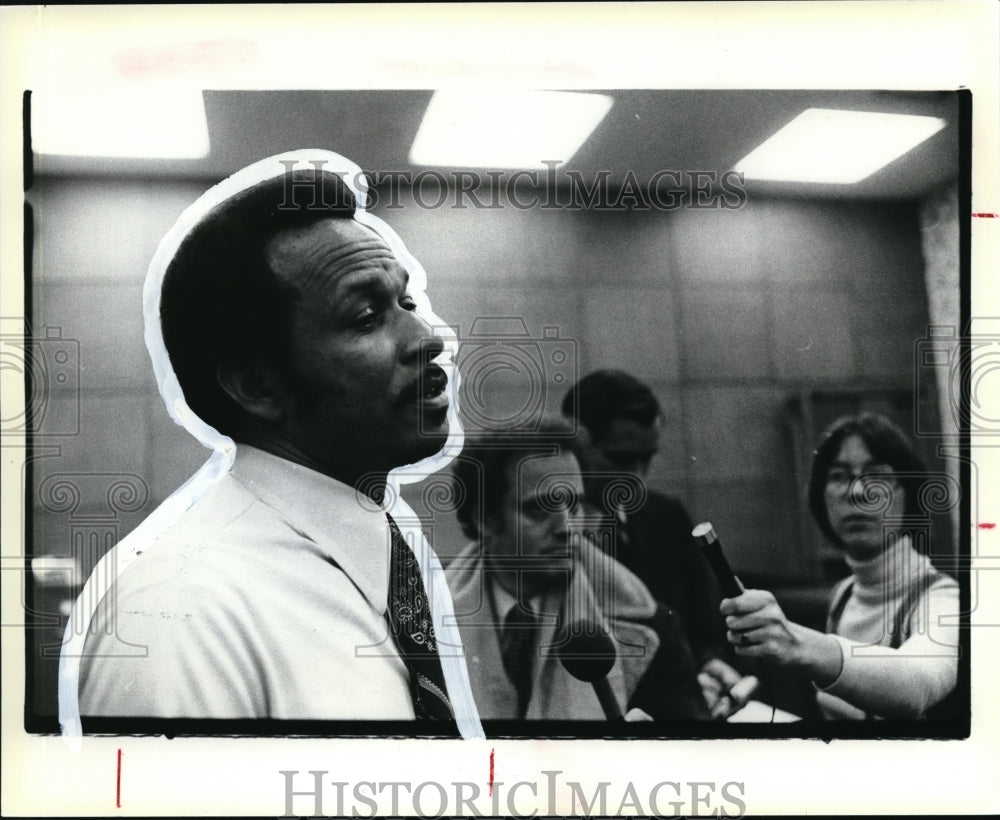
x=645, y=131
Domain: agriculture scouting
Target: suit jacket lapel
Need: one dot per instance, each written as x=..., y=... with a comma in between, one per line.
x=556, y=694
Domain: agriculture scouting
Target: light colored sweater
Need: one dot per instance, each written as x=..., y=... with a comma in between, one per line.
x=885, y=682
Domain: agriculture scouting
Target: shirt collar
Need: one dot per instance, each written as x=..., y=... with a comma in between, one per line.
x=347, y=526
x=502, y=599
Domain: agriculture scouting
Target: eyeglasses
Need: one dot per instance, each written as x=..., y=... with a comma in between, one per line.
x=840, y=479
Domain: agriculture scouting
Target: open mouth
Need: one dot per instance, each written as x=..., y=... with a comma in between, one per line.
x=433, y=383
x=429, y=390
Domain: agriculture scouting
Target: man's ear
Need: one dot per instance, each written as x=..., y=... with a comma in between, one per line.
x=254, y=387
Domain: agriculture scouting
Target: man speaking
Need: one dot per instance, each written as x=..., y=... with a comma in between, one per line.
x=276, y=583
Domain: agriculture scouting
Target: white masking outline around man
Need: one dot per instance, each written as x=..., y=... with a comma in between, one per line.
x=223, y=447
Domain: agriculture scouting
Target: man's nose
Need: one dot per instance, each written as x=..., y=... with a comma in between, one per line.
x=421, y=341
x=562, y=520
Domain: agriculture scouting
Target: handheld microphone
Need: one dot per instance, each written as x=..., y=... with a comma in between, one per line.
x=711, y=547
x=739, y=693
x=588, y=654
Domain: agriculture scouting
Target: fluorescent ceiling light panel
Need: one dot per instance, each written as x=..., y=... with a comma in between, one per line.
x=163, y=124
x=829, y=145
x=506, y=128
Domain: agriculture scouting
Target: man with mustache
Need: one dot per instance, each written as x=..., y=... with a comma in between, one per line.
x=530, y=576
x=296, y=326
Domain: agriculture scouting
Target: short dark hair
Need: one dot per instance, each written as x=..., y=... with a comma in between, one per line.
x=220, y=300
x=886, y=442
x=480, y=473
x=605, y=395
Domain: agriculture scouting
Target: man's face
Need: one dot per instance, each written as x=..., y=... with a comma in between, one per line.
x=361, y=394
x=626, y=447
x=533, y=525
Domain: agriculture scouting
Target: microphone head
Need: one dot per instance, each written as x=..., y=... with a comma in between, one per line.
x=704, y=534
x=586, y=651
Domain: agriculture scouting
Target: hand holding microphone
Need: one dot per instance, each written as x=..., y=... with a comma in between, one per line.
x=757, y=626
x=704, y=535
x=725, y=689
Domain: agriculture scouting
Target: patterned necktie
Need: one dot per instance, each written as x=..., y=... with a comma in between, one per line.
x=410, y=618
x=517, y=651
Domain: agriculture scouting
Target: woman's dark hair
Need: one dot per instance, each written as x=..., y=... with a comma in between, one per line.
x=221, y=302
x=887, y=444
x=481, y=475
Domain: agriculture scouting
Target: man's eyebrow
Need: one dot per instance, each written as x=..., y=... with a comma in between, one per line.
x=367, y=281
x=368, y=276
x=544, y=493
x=534, y=494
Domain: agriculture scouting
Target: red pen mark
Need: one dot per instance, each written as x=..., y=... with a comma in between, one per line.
x=986, y=526
x=987, y=216
x=183, y=58
x=491, y=772
x=118, y=786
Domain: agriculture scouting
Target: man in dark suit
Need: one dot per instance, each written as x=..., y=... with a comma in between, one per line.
x=619, y=424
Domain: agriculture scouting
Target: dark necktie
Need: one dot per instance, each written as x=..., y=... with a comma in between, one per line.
x=517, y=651
x=410, y=618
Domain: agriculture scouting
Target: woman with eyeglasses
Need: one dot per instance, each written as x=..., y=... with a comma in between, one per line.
x=890, y=649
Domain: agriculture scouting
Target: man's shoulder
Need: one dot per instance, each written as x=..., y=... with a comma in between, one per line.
x=239, y=600
x=661, y=505
x=223, y=505
x=228, y=516
x=464, y=571
x=229, y=540
x=629, y=597
x=657, y=498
